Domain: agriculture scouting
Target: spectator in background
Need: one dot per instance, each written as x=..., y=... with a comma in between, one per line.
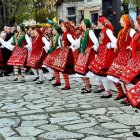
x=6, y=54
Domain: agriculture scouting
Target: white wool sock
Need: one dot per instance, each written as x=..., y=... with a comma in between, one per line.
x=35, y=72
x=40, y=71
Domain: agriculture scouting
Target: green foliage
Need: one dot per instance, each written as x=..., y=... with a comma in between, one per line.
x=133, y=2
x=20, y=10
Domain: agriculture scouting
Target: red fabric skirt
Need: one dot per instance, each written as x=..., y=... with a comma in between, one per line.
x=19, y=57
x=49, y=60
x=133, y=95
x=84, y=60
x=75, y=56
x=64, y=61
x=119, y=63
x=131, y=70
x=1, y=59
x=44, y=54
x=36, y=59
x=102, y=61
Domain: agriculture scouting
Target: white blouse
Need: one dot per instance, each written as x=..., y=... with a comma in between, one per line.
x=28, y=40
x=94, y=40
x=7, y=44
x=47, y=44
x=71, y=40
x=113, y=40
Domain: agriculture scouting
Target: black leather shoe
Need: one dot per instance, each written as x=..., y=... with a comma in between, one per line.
x=106, y=96
x=136, y=134
x=22, y=81
x=85, y=88
x=15, y=80
x=99, y=91
x=66, y=88
x=52, y=78
x=6, y=74
x=56, y=84
x=36, y=78
x=126, y=104
x=39, y=82
x=85, y=91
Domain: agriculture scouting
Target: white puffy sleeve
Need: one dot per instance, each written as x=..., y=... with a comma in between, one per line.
x=7, y=44
x=77, y=42
x=113, y=40
x=132, y=32
x=47, y=44
x=29, y=43
x=10, y=40
x=59, y=41
x=71, y=40
x=94, y=40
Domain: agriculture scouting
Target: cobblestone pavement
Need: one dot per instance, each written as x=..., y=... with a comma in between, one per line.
x=40, y=112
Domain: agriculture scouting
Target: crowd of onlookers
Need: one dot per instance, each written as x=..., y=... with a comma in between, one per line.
x=6, y=70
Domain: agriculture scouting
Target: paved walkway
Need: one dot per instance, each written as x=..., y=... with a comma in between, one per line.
x=40, y=112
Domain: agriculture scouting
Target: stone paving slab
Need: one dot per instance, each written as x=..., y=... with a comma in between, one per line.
x=41, y=112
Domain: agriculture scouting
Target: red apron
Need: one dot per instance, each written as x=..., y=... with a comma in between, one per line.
x=104, y=57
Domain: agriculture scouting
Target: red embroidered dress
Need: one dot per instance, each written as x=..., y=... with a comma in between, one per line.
x=123, y=55
x=133, y=95
x=53, y=52
x=64, y=60
x=19, y=55
x=133, y=67
x=104, y=57
x=84, y=59
x=37, y=54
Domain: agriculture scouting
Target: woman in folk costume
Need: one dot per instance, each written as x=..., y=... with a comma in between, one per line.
x=105, y=56
x=78, y=32
x=37, y=56
x=52, y=48
x=2, y=36
x=123, y=53
x=47, y=39
x=133, y=67
x=20, y=53
x=133, y=95
x=64, y=61
x=1, y=61
x=4, y=44
x=88, y=47
x=131, y=72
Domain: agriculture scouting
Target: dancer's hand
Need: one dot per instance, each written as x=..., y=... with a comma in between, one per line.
x=115, y=49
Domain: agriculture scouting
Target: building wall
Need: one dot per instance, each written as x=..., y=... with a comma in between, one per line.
x=89, y=11
x=62, y=12
x=86, y=7
x=92, y=7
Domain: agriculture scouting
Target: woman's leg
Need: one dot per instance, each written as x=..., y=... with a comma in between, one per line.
x=16, y=71
x=57, y=78
x=106, y=84
x=67, y=83
x=86, y=81
x=121, y=93
x=40, y=71
x=36, y=74
x=22, y=70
